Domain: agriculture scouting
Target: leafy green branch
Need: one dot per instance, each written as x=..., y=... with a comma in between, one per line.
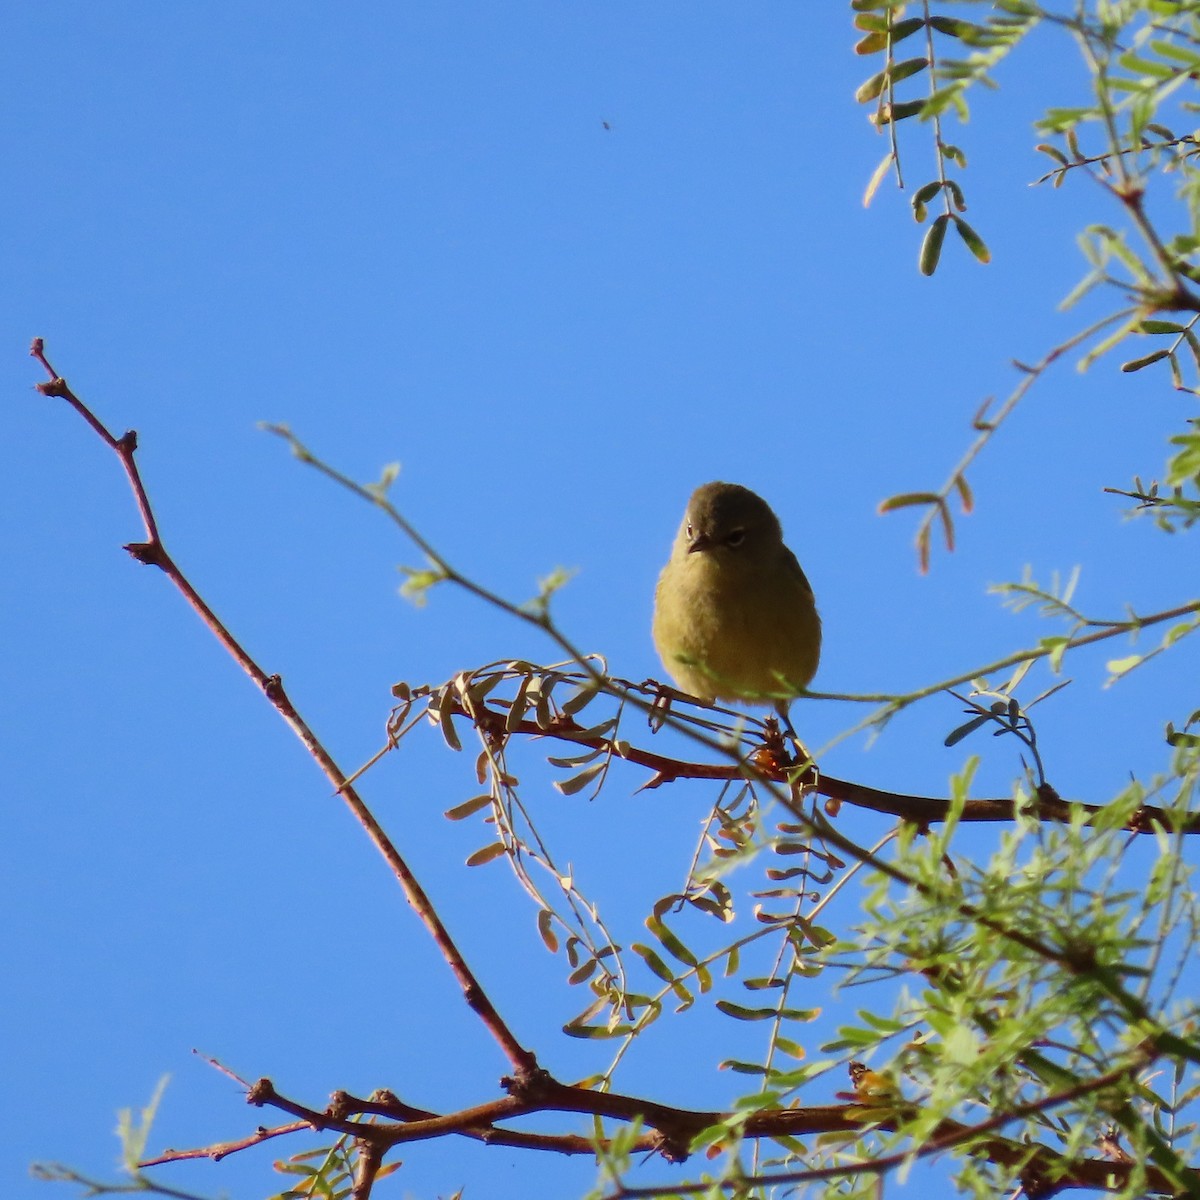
x=1074, y=961
x=1141, y=58
x=1171, y=512
x=697, y=967
x=938, y=505
x=1171, y=150
x=133, y=1134
x=947, y=80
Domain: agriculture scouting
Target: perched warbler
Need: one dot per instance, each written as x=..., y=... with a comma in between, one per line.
x=734, y=615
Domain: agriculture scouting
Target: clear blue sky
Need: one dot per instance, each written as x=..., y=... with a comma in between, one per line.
x=406, y=231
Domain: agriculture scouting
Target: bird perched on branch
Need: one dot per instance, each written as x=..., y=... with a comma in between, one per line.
x=734, y=615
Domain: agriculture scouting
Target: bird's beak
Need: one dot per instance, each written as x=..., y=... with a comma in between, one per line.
x=700, y=542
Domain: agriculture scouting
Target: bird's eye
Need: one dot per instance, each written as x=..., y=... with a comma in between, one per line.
x=736, y=537
x=690, y=531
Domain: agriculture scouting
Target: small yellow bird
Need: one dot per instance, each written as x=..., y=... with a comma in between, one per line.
x=734, y=615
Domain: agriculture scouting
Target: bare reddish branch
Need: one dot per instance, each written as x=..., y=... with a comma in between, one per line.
x=670, y=1130
x=224, y=1070
x=219, y=1150
x=153, y=552
x=370, y=1159
x=924, y=810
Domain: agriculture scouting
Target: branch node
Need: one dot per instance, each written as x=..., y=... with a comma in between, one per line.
x=1139, y=821
x=674, y=1149
x=151, y=554
x=1035, y=1185
x=531, y=1085
x=56, y=387
x=262, y=1092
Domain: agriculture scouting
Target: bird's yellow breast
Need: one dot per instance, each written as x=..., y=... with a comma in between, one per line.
x=731, y=628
